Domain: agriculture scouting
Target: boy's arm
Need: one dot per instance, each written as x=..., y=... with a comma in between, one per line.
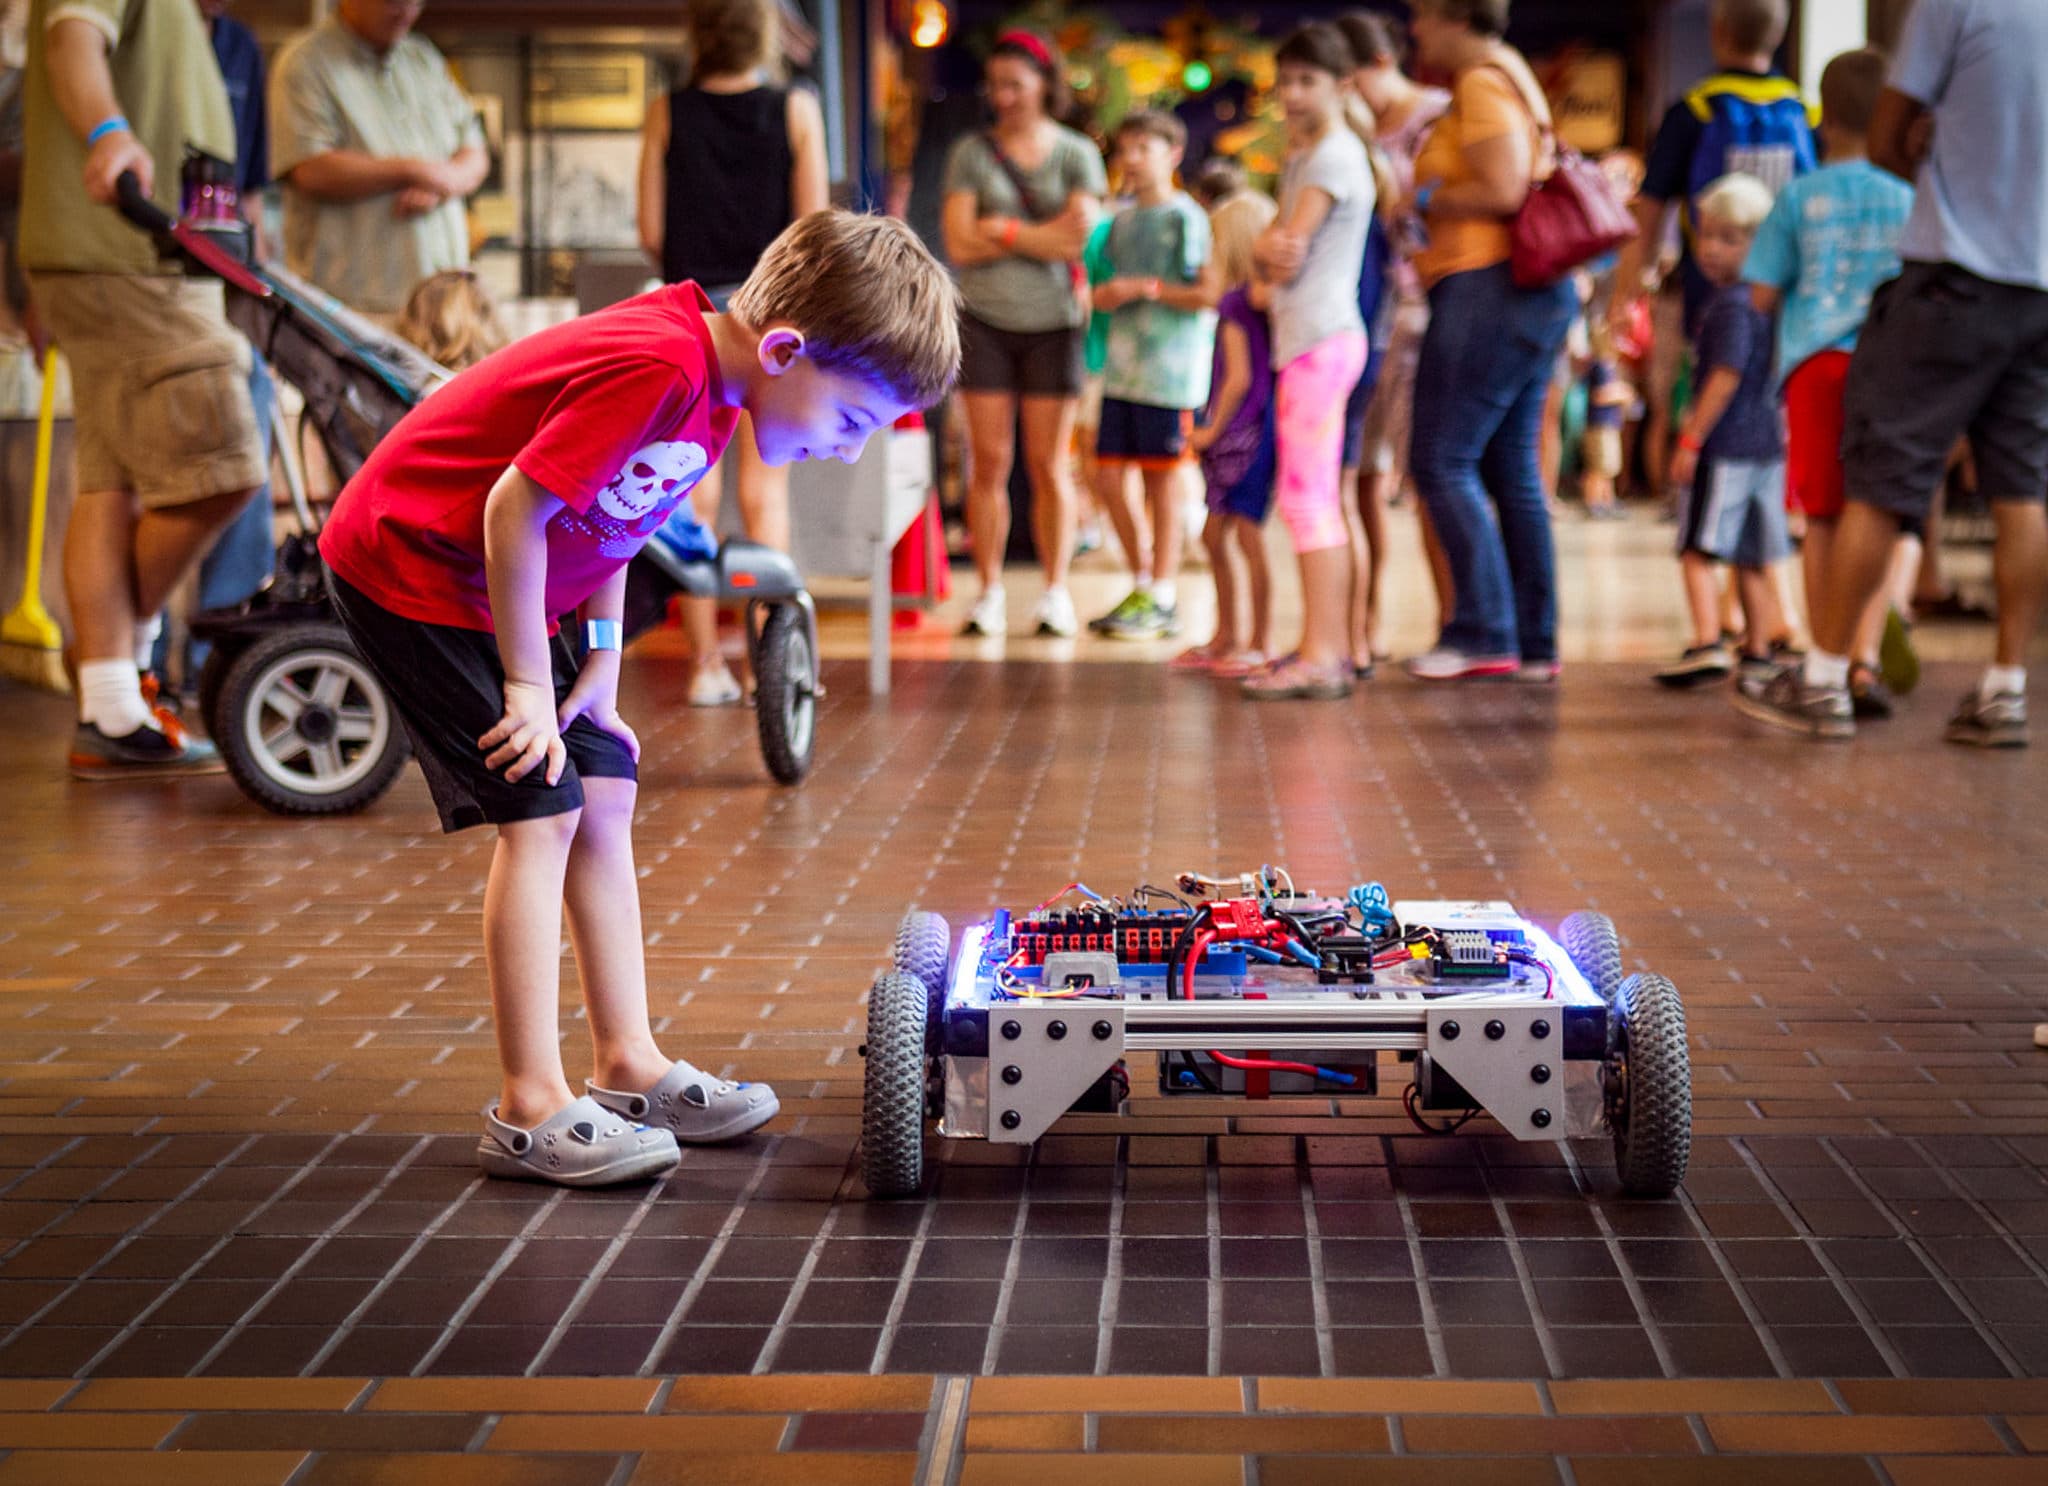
x=1719, y=389
x=516, y=514
x=1203, y=294
x=596, y=692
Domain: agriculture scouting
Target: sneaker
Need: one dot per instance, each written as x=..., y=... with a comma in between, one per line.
x=1055, y=614
x=1446, y=664
x=148, y=752
x=714, y=686
x=1297, y=680
x=1697, y=665
x=1538, y=672
x=1131, y=604
x=1786, y=701
x=990, y=615
x=1869, y=697
x=1140, y=618
x=1990, y=722
x=1087, y=538
x=1170, y=617
x=1754, y=672
x=1897, y=661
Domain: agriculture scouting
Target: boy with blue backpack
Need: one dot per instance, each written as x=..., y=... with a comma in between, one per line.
x=1743, y=119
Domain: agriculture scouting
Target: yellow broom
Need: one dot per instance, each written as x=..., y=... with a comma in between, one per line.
x=31, y=646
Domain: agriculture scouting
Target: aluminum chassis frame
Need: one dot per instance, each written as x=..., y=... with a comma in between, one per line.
x=1533, y=1061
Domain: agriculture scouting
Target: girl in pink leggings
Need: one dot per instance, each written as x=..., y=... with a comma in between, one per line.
x=1310, y=257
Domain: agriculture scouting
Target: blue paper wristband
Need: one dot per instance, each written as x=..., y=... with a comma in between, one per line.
x=106, y=128
x=602, y=634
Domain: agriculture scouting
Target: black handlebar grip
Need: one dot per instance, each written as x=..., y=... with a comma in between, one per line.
x=137, y=207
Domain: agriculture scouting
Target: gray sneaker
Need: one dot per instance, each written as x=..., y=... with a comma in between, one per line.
x=1140, y=618
x=1990, y=722
x=1130, y=605
x=1786, y=701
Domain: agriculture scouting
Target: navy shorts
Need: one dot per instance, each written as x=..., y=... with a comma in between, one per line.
x=1252, y=495
x=448, y=687
x=1134, y=433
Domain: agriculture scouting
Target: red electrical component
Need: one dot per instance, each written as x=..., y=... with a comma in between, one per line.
x=1237, y=918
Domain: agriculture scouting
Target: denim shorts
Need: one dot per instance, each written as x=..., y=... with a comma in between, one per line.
x=1735, y=512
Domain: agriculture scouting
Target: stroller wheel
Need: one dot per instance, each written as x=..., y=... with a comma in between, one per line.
x=304, y=726
x=786, y=692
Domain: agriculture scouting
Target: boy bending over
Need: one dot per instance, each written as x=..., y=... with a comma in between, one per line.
x=519, y=492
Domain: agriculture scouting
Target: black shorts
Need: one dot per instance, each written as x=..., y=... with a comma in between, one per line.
x=448, y=687
x=1029, y=363
x=1137, y=433
x=1945, y=353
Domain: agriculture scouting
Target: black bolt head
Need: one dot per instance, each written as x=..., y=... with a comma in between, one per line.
x=1013, y=1074
x=1012, y=1031
x=1011, y=1119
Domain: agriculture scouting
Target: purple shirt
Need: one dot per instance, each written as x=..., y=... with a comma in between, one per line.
x=1236, y=450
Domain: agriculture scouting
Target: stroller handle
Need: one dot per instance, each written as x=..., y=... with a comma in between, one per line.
x=136, y=206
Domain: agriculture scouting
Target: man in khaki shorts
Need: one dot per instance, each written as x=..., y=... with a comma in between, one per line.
x=167, y=446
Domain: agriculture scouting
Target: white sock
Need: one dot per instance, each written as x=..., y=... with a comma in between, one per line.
x=146, y=632
x=1144, y=585
x=110, y=696
x=993, y=591
x=2003, y=681
x=1055, y=590
x=1826, y=672
x=1164, y=592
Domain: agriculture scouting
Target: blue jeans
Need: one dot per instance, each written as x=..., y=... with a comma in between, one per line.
x=244, y=554
x=1479, y=392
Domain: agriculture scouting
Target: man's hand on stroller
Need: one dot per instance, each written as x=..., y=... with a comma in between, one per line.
x=527, y=734
x=109, y=157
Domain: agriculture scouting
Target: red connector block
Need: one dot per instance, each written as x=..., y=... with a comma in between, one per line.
x=1237, y=918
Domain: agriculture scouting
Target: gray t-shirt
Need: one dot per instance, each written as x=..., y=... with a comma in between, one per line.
x=1323, y=299
x=1982, y=202
x=1019, y=293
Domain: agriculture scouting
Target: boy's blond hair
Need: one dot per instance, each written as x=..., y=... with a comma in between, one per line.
x=869, y=297
x=451, y=316
x=1752, y=26
x=731, y=36
x=1234, y=225
x=1737, y=200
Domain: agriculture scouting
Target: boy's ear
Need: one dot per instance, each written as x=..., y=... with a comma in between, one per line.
x=780, y=348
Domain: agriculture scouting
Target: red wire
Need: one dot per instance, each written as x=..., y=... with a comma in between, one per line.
x=1202, y=940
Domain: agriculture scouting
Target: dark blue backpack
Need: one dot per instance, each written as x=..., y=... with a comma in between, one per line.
x=1759, y=126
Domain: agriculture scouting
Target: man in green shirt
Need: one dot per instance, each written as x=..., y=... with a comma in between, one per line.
x=167, y=451
x=376, y=147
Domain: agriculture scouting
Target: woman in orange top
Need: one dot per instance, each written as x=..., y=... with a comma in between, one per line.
x=1488, y=354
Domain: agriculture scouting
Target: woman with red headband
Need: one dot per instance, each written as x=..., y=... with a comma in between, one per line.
x=1020, y=201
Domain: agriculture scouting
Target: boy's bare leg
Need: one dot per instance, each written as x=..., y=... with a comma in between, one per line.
x=1259, y=579
x=523, y=950
x=1162, y=491
x=1361, y=565
x=602, y=893
x=1372, y=517
x=1814, y=555
x=991, y=447
x=1760, y=603
x=1113, y=495
x=2019, y=566
x=1864, y=539
x=1702, y=597
x=1048, y=455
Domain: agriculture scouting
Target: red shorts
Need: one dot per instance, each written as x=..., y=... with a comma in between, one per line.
x=1813, y=445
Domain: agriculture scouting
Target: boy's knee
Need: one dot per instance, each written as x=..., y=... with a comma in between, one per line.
x=542, y=832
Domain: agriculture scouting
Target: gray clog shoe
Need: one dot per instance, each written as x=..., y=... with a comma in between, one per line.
x=693, y=1106
x=582, y=1145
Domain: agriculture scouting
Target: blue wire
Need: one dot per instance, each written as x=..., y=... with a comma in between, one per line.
x=1260, y=953
x=1294, y=948
x=1336, y=1075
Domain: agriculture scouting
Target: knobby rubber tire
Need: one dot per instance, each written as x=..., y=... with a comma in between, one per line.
x=923, y=942
x=1653, y=1130
x=1595, y=948
x=893, y=1088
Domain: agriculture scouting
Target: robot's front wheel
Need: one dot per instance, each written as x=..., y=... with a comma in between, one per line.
x=893, y=1093
x=1595, y=949
x=1649, y=1088
x=923, y=942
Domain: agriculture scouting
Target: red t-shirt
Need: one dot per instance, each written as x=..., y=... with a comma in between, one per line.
x=617, y=414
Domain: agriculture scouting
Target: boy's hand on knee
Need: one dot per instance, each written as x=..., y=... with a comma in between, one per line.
x=527, y=735
x=597, y=697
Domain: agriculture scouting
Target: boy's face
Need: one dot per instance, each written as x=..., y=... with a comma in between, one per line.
x=1721, y=248
x=1147, y=160
x=806, y=412
x=1308, y=95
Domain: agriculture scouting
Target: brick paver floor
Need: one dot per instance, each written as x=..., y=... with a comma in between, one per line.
x=242, y=1238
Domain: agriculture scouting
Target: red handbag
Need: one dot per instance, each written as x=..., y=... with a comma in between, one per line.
x=1569, y=218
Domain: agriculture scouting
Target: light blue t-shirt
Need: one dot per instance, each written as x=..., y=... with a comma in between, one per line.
x=1832, y=237
x=1983, y=194
x=1158, y=355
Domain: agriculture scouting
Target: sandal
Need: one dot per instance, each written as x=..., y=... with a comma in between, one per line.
x=1296, y=680
x=581, y=1145
x=1200, y=660
x=1237, y=666
x=694, y=1107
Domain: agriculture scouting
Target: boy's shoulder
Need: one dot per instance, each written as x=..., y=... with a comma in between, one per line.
x=1757, y=89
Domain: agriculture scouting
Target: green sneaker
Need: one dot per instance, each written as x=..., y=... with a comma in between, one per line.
x=1130, y=605
x=1146, y=620
x=1897, y=661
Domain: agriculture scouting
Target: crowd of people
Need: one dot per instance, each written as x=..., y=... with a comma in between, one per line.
x=1359, y=332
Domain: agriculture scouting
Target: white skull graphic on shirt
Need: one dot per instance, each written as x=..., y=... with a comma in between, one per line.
x=641, y=496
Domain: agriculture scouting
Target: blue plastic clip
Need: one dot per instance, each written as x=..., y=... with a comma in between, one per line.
x=1375, y=908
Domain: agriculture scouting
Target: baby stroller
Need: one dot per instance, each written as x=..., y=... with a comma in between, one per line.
x=301, y=722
